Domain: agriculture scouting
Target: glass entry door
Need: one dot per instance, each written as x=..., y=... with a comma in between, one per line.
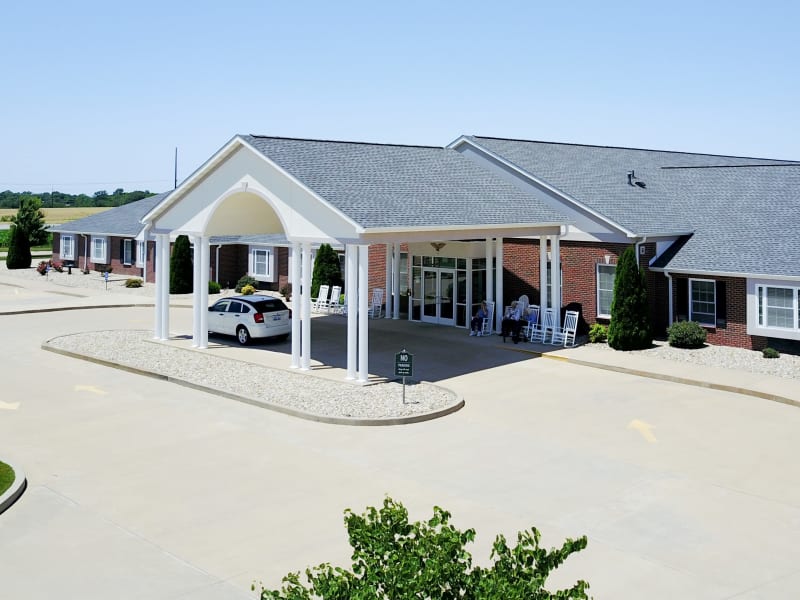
x=438, y=299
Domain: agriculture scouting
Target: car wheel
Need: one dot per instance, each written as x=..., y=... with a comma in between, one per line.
x=242, y=335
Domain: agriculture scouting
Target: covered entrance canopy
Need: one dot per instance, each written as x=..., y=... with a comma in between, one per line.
x=356, y=195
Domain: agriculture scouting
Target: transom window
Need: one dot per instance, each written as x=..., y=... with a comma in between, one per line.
x=703, y=301
x=605, y=289
x=778, y=307
x=99, y=249
x=67, y=247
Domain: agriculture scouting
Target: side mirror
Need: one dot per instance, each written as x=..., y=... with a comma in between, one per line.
x=210, y=309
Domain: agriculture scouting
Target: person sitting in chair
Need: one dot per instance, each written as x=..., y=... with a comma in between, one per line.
x=512, y=322
x=476, y=325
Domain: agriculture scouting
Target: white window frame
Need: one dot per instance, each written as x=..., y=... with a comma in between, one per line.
x=141, y=252
x=67, y=247
x=691, y=302
x=127, y=252
x=549, y=290
x=761, y=311
x=269, y=263
x=600, y=313
x=97, y=256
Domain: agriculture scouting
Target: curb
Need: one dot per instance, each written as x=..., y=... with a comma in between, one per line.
x=91, y=307
x=663, y=377
x=13, y=493
x=458, y=403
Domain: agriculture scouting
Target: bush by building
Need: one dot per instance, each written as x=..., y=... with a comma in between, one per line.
x=630, y=312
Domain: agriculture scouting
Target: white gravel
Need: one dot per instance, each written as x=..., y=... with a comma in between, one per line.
x=739, y=359
x=93, y=280
x=304, y=392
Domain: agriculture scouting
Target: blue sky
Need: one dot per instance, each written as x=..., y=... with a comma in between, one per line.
x=97, y=95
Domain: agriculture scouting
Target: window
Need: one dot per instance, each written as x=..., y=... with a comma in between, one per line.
x=141, y=253
x=550, y=283
x=778, y=307
x=605, y=289
x=703, y=301
x=127, y=252
x=261, y=263
x=67, y=247
x=99, y=250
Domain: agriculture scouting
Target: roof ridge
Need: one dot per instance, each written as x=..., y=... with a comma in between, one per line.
x=296, y=139
x=785, y=164
x=488, y=137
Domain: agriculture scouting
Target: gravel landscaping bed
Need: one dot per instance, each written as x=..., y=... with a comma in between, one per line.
x=296, y=391
x=77, y=279
x=752, y=361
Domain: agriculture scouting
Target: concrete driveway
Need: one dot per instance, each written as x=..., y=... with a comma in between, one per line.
x=143, y=489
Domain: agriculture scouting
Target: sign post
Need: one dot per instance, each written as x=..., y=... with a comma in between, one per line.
x=105, y=276
x=404, y=367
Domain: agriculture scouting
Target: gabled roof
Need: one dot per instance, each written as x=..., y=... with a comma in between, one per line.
x=596, y=176
x=393, y=186
x=120, y=221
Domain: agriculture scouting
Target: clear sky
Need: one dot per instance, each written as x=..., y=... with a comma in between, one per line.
x=97, y=95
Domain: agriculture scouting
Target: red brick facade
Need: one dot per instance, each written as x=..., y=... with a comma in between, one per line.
x=83, y=259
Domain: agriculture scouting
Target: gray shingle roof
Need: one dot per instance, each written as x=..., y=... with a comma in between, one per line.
x=121, y=221
x=596, y=176
x=743, y=212
x=379, y=185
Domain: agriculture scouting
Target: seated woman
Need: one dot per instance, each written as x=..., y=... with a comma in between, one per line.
x=512, y=322
x=476, y=325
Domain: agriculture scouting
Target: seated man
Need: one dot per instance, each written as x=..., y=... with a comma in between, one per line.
x=476, y=325
x=512, y=322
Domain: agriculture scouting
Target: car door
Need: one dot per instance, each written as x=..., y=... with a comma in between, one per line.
x=217, y=316
x=234, y=317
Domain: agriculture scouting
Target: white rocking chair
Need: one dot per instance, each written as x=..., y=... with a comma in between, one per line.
x=532, y=329
x=333, y=302
x=549, y=325
x=488, y=322
x=376, y=306
x=566, y=334
x=321, y=301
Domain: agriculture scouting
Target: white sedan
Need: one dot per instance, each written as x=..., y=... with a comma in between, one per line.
x=249, y=317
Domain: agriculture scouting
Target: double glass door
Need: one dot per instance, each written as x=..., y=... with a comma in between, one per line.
x=438, y=294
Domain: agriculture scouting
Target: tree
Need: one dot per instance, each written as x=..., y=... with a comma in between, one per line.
x=180, y=267
x=393, y=558
x=326, y=269
x=30, y=220
x=630, y=312
x=19, y=250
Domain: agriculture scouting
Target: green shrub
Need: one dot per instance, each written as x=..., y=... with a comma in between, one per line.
x=213, y=287
x=5, y=237
x=686, y=334
x=133, y=282
x=19, y=250
x=326, y=269
x=180, y=267
x=286, y=292
x=248, y=290
x=770, y=353
x=245, y=280
x=630, y=312
x=395, y=558
x=598, y=333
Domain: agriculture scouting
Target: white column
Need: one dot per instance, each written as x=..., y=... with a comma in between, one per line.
x=159, y=268
x=388, y=291
x=205, y=268
x=165, y=268
x=296, y=341
x=498, y=315
x=396, y=282
x=498, y=310
x=351, y=289
x=555, y=274
x=305, y=351
x=363, y=322
x=543, y=302
x=196, y=269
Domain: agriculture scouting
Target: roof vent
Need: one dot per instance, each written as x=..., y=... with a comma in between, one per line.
x=632, y=180
x=641, y=184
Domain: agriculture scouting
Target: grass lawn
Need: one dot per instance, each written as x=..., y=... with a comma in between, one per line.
x=6, y=477
x=61, y=215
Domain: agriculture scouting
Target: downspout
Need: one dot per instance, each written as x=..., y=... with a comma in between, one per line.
x=216, y=264
x=669, y=295
x=85, y=252
x=638, y=246
x=145, y=235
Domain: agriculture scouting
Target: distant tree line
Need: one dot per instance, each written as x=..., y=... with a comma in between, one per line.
x=9, y=199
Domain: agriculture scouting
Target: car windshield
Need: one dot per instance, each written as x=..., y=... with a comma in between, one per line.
x=266, y=306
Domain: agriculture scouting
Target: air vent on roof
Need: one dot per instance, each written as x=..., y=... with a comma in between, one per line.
x=641, y=184
x=632, y=180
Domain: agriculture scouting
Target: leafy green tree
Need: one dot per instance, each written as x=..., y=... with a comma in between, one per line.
x=629, y=328
x=19, y=250
x=326, y=269
x=30, y=220
x=397, y=560
x=180, y=267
